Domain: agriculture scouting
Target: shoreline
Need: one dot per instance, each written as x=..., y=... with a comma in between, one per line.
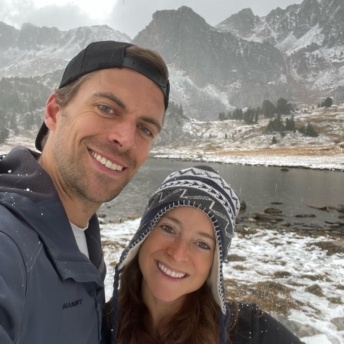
x=334, y=162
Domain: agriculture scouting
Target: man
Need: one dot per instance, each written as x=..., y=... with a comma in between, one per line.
x=98, y=128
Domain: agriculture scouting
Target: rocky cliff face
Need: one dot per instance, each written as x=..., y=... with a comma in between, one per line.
x=242, y=72
x=310, y=36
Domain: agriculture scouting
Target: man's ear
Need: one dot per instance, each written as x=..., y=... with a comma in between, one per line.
x=51, y=110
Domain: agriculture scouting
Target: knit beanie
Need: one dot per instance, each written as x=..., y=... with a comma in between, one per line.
x=200, y=187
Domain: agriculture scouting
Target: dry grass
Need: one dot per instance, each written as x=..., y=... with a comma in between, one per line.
x=292, y=151
x=269, y=295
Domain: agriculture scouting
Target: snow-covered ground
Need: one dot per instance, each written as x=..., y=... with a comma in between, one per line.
x=233, y=142
x=265, y=253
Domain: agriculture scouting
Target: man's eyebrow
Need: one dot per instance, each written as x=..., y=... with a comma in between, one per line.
x=120, y=103
x=111, y=97
x=152, y=121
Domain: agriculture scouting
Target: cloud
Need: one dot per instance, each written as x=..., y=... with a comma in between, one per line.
x=63, y=17
x=127, y=16
x=17, y=12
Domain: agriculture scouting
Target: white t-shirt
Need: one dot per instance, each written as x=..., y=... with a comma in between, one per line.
x=80, y=237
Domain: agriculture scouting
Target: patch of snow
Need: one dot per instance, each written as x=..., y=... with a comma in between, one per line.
x=297, y=255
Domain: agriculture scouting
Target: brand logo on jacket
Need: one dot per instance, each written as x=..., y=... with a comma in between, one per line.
x=72, y=304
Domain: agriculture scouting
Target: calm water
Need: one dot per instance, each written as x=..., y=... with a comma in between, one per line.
x=258, y=186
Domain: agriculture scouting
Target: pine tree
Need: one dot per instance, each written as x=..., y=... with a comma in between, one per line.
x=268, y=109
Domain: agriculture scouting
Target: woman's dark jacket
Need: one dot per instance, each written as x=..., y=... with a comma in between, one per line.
x=254, y=326
x=49, y=291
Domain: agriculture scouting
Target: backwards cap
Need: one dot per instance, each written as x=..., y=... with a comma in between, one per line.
x=104, y=55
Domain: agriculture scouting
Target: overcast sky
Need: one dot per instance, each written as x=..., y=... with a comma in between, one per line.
x=127, y=16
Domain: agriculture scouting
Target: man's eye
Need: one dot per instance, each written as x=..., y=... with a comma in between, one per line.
x=106, y=108
x=146, y=130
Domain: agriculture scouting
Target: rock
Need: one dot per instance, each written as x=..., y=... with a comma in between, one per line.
x=299, y=329
x=305, y=215
x=235, y=258
x=320, y=207
x=315, y=289
x=340, y=208
x=272, y=210
x=266, y=217
x=339, y=323
x=281, y=274
x=332, y=247
x=243, y=205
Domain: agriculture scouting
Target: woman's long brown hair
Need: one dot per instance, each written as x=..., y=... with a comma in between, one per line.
x=197, y=322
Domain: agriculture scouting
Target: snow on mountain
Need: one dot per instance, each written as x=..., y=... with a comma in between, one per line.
x=291, y=44
x=41, y=54
x=310, y=35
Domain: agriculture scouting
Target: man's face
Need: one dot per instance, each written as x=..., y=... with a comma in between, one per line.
x=104, y=134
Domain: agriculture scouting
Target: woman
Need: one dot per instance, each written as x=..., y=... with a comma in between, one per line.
x=168, y=285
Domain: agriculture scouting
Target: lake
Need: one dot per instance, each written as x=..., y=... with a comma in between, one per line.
x=294, y=190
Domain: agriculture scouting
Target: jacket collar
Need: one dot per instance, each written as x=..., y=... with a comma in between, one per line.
x=33, y=199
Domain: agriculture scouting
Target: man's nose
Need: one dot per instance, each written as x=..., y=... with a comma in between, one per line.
x=123, y=134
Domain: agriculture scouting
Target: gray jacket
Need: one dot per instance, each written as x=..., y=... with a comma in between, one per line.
x=49, y=291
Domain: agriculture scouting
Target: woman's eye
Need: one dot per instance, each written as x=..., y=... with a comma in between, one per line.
x=167, y=229
x=203, y=245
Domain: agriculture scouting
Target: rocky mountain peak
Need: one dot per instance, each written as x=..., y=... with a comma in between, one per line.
x=245, y=22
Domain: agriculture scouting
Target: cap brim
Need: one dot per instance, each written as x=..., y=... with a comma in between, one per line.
x=40, y=136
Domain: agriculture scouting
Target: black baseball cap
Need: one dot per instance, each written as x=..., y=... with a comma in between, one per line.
x=104, y=55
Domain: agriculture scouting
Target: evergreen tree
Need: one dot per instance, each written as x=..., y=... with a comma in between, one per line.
x=327, y=102
x=290, y=124
x=249, y=116
x=283, y=107
x=13, y=125
x=268, y=109
x=237, y=114
x=275, y=125
x=222, y=116
x=4, y=134
x=308, y=130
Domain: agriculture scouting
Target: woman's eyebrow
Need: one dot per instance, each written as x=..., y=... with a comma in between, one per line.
x=207, y=235
x=201, y=233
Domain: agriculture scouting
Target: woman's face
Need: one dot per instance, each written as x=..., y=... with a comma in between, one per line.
x=177, y=256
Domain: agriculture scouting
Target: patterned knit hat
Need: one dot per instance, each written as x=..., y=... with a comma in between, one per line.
x=200, y=187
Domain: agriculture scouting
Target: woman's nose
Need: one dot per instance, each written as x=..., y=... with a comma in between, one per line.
x=179, y=250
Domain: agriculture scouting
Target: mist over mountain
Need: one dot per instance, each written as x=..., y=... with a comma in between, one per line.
x=296, y=53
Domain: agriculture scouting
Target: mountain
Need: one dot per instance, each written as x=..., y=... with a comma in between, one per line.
x=35, y=51
x=212, y=71
x=296, y=53
x=311, y=37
